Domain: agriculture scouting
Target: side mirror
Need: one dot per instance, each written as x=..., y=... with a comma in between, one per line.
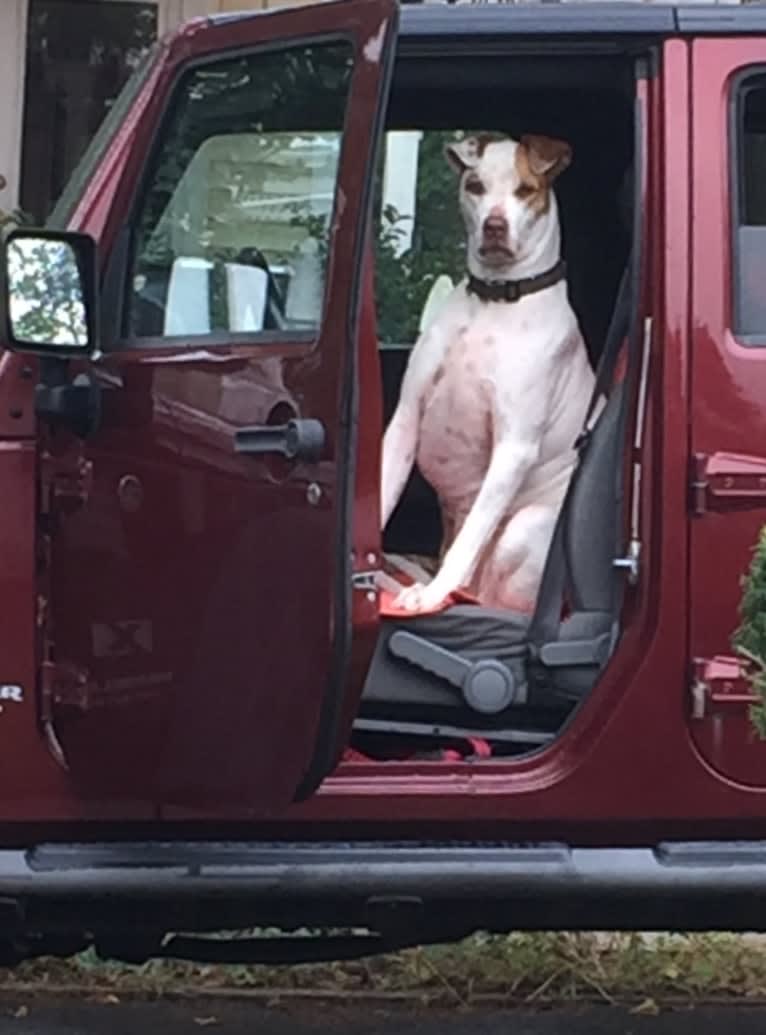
x=48, y=293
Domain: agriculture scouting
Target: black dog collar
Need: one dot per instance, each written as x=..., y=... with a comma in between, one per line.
x=513, y=290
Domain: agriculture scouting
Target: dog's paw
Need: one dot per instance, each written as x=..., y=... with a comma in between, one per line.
x=420, y=598
x=409, y=598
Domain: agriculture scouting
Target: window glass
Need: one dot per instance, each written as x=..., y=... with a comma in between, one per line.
x=750, y=210
x=79, y=56
x=232, y=234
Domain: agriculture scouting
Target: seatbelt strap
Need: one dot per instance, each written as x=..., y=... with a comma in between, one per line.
x=546, y=621
x=619, y=326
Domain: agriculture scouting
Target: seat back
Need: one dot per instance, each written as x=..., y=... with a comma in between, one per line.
x=593, y=518
x=586, y=539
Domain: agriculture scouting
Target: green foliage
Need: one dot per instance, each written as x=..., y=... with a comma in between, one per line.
x=750, y=638
x=45, y=290
x=403, y=280
x=438, y=244
x=14, y=218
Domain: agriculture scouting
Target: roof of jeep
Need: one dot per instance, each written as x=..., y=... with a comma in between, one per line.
x=569, y=19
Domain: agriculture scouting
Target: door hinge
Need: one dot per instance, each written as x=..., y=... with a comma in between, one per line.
x=720, y=686
x=65, y=481
x=719, y=480
x=365, y=581
x=698, y=485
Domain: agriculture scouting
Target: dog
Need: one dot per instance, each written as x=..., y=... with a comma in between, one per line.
x=497, y=386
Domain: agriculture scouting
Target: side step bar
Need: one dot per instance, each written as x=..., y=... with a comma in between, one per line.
x=404, y=891
x=456, y=870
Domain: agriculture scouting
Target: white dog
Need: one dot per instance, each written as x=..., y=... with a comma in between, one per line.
x=498, y=385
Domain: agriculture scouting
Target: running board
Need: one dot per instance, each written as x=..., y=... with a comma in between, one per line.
x=426, y=869
x=389, y=887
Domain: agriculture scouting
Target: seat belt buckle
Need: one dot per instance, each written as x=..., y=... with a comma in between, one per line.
x=583, y=439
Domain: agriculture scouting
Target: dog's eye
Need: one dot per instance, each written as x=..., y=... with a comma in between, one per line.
x=475, y=187
x=524, y=190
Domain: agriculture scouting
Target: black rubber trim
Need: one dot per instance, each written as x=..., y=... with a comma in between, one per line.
x=571, y=19
x=578, y=19
x=599, y=19
x=721, y=19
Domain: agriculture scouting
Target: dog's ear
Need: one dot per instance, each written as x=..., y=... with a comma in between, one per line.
x=547, y=157
x=462, y=154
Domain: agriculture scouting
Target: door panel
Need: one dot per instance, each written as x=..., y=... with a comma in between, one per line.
x=728, y=383
x=200, y=613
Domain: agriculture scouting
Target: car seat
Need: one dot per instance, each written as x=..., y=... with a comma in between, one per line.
x=472, y=670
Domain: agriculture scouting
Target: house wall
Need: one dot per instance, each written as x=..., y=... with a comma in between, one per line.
x=13, y=17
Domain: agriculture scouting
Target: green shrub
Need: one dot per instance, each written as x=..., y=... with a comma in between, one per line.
x=750, y=638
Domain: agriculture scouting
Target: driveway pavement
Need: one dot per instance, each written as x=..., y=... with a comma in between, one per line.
x=71, y=1017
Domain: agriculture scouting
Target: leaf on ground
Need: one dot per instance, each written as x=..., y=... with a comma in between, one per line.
x=108, y=999
x=205, y=1022
x=22, y=1011
x=648, y=1007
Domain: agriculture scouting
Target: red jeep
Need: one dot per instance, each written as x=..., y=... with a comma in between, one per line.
x=209, y=721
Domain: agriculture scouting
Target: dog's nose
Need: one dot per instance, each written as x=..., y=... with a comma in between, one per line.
x=495, y=226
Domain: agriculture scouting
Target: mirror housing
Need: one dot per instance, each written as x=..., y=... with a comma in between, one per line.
x=49, y=293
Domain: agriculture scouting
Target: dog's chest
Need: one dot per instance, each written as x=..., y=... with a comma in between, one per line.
x=455, y=440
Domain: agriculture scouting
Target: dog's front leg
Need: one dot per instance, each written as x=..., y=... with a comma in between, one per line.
x=399, y=444
x=400, y=441
x=509, y=465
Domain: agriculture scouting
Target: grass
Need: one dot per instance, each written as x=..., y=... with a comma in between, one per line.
x=542, y=969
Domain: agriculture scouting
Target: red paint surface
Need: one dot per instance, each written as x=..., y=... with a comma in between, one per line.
x=728, y=387
x=632, y=766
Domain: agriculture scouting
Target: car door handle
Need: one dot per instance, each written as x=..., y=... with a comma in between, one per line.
x=297, y=440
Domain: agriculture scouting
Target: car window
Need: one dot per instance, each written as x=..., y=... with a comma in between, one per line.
x=81, y=177
x=231, y=235
x=749, y=208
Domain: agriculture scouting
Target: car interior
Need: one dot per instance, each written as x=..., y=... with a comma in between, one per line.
x=471, y=681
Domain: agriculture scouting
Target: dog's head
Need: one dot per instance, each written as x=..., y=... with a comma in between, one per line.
x=506, y=198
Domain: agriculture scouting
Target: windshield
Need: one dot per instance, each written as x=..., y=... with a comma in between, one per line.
x=80, y=178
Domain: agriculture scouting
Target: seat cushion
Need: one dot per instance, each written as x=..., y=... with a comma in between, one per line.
x=473, y=633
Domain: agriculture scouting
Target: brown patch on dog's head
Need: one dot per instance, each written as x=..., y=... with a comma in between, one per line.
x=539, y=160
x=465, y=154
x=483, y=140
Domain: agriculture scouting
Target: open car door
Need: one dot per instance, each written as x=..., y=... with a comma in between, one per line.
x=197, y=550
